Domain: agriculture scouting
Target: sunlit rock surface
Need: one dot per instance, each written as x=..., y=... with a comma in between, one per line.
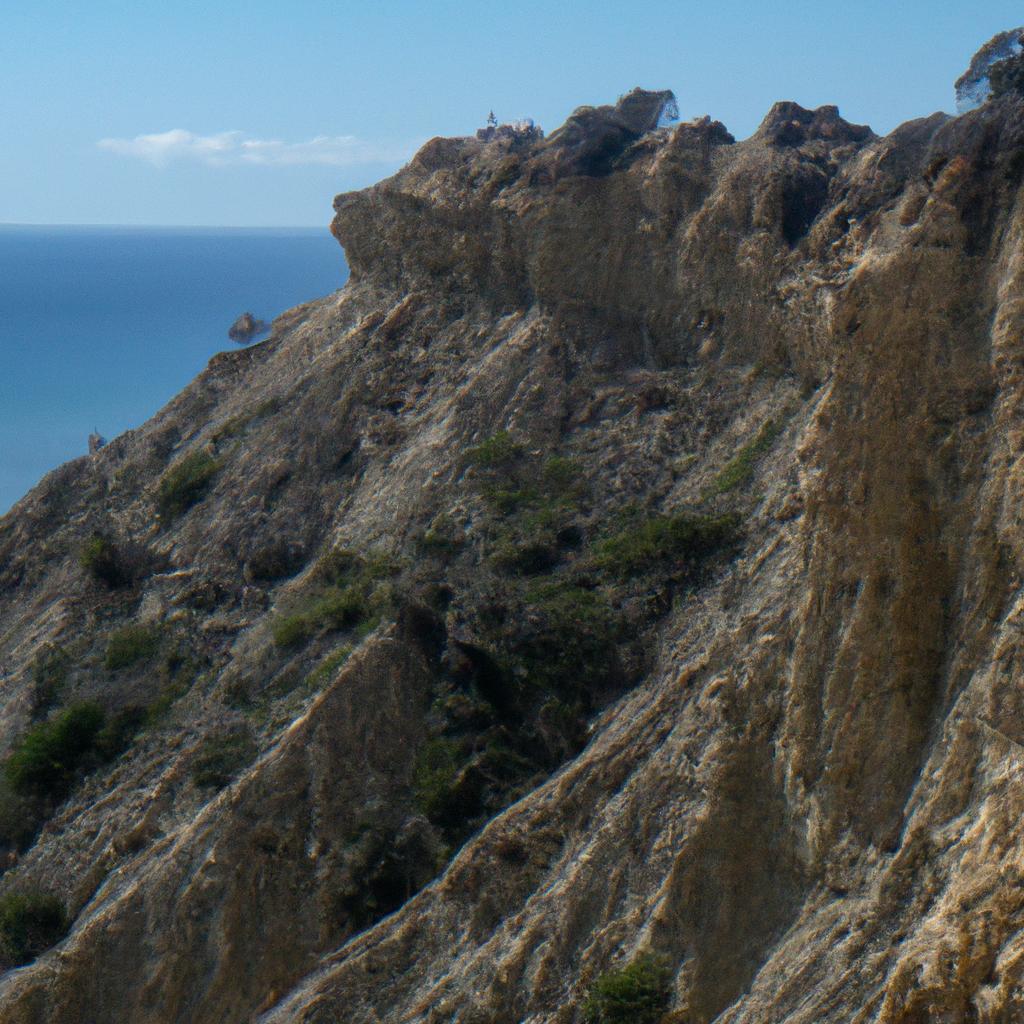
x=555, y=733
x=972, y=87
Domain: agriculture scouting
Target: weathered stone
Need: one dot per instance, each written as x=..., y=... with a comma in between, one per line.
x=807, y=801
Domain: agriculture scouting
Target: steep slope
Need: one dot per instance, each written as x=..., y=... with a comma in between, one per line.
x=658, y=488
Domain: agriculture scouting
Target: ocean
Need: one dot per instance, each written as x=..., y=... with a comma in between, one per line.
x=100, y=327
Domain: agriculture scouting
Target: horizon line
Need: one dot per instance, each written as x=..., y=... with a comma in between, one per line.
x=168, y=227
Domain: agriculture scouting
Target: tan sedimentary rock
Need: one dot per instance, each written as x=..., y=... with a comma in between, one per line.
x=809, y=800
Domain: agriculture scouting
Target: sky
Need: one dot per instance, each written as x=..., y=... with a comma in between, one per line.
x=257, y=113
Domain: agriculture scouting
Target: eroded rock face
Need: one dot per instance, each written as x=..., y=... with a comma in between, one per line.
x=787, y=764
x=972, y=87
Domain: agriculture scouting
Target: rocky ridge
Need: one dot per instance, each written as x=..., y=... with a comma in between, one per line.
x=628, y=559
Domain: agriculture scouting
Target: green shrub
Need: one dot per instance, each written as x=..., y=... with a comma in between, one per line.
x=333, y=609
x=498, y=450
x=221, y=757
x=343, y=567
x=530, y=557
x=566, y=646
x=120, y=729
x=274, y=561
x=561, y=476
x=442, y=537
x=30, y=923
x=636, y=994
x=115, y=564
x=437, y=766
x=685, y=539
x=101, y=559
x=49, y=756
x=292, y=630
x=186, y=483
x=740, y=468
x=349, y=593
x=131, y=644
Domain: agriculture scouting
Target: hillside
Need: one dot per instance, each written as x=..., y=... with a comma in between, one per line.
x=626, y=563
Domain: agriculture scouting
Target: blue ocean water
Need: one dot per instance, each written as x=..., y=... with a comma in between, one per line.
x=99, y=327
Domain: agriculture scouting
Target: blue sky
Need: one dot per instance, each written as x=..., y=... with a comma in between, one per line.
x=257, y=113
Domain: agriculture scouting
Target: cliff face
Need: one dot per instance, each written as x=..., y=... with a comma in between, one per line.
x=627, y=559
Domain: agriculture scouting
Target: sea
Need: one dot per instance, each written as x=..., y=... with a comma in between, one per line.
x=100, y=327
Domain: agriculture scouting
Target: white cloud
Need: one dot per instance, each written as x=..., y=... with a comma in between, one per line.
x=234, y=148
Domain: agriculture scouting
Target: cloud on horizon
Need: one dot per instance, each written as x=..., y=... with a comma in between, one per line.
x=225, y=149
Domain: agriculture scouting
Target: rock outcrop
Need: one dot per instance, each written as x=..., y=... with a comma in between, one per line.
x=973, y=86
x=627, y=560
x=245, y=328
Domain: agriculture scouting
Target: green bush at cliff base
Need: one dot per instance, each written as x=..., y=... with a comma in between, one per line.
x=30, y=923
x=637, y=994
x=186, y=483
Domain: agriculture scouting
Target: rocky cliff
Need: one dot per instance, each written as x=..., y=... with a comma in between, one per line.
x=626, y=564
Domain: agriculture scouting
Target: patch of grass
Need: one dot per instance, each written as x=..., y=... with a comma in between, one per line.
x=684, y=540
x=434, y=775
x=561, y=476
x=325, y=671
x=236, y=426
x=48, y=758
x=186, y=483
x=333, y=609
x=49, y=674
x=740, y=468
x=636, y=994
x=30, y=923
x=350, y=593
x=496, y=451
x=531, y=557
x=220, y=757
x=292, y=630
x=508, y=500
x=130, y=645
